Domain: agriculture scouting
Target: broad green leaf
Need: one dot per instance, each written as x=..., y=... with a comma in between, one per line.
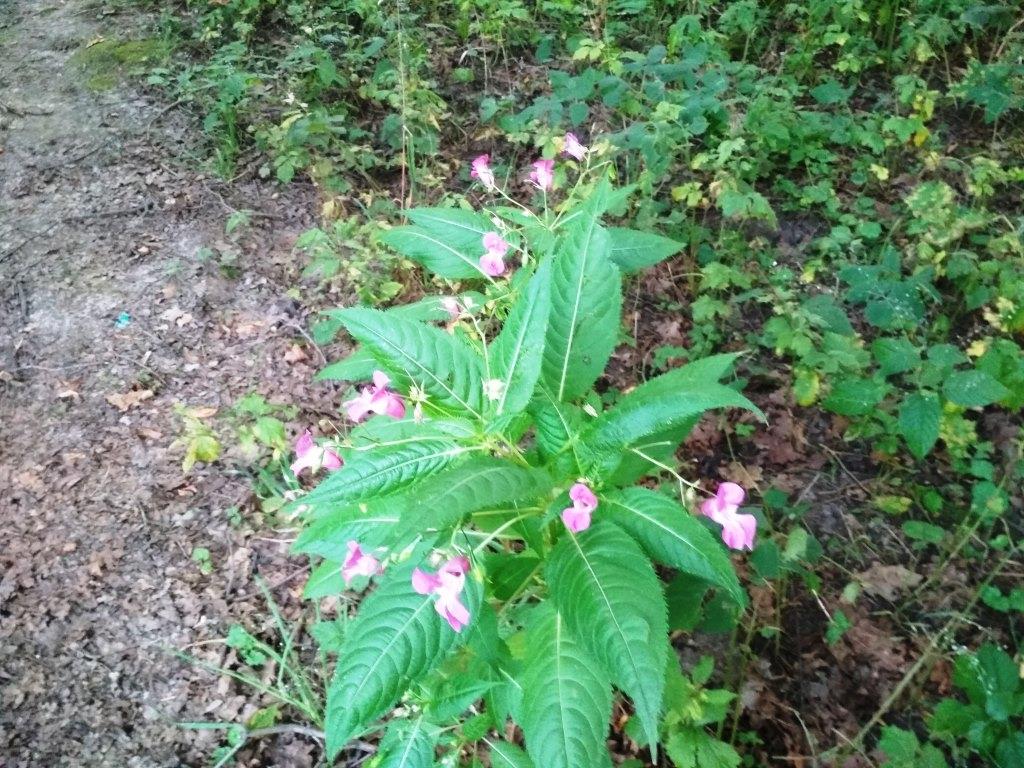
x=650, y=411
x=517, y=353
x=671, y=535
x=973, y=389
x=455, y=226
x=408, y=744
x=371, y=524
x=383, y=432
x=483, y=482
x=556, y=423
x=359, y=366
x=452, y=261
x=919, y=417
x=633, y=250
x=505, y=755
x=446, y=368
x=380, y=470
x=658, y=450
x=567, y=699
x=434, y=503
x=595, y=580
x=854, y=397
x=324, y=580
x=586, y=301
x=396, y=638
x=895, y=355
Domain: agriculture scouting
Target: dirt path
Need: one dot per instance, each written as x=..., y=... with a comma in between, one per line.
x=101, y=215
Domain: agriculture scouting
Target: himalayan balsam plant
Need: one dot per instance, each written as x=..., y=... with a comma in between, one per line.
x=493, y=502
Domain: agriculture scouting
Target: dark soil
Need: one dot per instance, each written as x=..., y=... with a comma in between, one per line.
x=102, y=212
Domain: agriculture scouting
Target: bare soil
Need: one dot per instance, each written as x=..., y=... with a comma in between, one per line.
x=102, y=212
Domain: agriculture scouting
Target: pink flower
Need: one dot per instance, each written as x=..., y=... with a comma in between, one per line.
x=573, y=148
x=358, y=563
x=492, y=263
x=309, y=455
x=737, y=530
x=376, y=399
x=481, y=170
x=446, y=585
x=584, y=502
x=451, y=306
x=543, y=173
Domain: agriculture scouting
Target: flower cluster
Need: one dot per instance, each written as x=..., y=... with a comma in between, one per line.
x=542, y=175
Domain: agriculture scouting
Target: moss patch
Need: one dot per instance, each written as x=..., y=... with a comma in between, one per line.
x=106, y=63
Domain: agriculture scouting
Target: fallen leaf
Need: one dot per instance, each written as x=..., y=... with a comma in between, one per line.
x=295, y=354
x=887, y=581
x=129, y=399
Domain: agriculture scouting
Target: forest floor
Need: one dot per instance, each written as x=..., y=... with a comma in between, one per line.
x=122, y=296
x=102, y=213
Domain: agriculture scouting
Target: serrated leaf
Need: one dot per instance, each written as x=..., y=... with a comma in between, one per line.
x=325, y=580
x=973, y=389
x=445, y=367
x=452, y=261
x=408, y=744
x=567, y=699
x=586, y=301
x=854, y=397
x=482, y=482
x=505, y=755
x=380, y=470
x=370, y=524
x=895, y=355
x=359, y=366
x=396, y=638
x=920, y=416
x=650, y=410
x=633, y=250
x=556, y=423
x=517, y=353
x=595, y=578
x=454, y=225
x=671, y=535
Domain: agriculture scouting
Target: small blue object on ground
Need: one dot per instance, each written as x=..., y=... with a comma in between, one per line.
x=122, y=320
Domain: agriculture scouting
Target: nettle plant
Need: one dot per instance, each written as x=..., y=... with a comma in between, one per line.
x=494, y=502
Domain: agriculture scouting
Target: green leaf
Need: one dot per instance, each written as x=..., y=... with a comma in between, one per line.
x=483, y=482
x=359, y=366
x=517, y=353
x=633, y=250
x=556, y=423
x=396, y=638
x=435, y=252
x=919, y=417
x=895, y=355
x=854, y=397
x=455, y=226
x=973, y=389
x=567, y=699
x=586, y=301
x=381, y=470
x=324, y=580
x=648, y=412
x=445, y=367
x=671, y=535
x=595, y=579
x=408, y=744
x=370, y=524
x=434, y=503
x=505, y=755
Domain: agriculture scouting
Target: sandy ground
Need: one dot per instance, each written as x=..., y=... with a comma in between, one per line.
x=102, y=212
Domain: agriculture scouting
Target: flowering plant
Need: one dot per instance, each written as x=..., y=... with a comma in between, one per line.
x=512, y=551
